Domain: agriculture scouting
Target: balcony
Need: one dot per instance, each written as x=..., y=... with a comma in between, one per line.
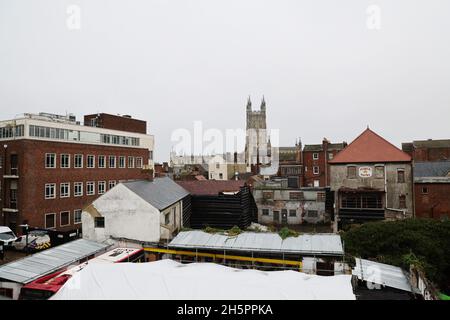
x=13, y=174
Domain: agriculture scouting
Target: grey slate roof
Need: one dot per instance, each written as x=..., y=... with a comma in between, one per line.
x=431, y=169
x=160, y=193
x=320, y=244
x=51, y=260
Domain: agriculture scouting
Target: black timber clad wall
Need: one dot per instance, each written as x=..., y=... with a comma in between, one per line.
x=223, y=211
x=187, y=211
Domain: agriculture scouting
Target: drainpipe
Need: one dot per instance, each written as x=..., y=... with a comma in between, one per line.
x=5, y=147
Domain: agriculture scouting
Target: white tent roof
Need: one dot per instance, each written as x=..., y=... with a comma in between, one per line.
x=170, y=280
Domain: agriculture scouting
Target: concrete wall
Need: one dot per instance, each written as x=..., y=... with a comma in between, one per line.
x=387, y=183
x=126, y=216
x=14, y=286
x=281, y=200
x=175, y=213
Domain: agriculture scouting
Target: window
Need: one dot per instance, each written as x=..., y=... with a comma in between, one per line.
x=77, y=216
x=330, y=156
x=121, y=162
x=7, y=292
x=425, y=190
x=65, y=161
x=315, y=156
x=112, y=161
x=267, y=195
x=265, y=212
x=130, y=162
x=78, y=161
x=139, y=162
x=402, y=201
x=316, y=170
x=64, y=190
x=167, y=218
x=220, y=176
x=217, y=165
x=351, y=172
x=50, y=160
x=401, y=176
x=101, y=162
x=112, y=184
x=313, y=213
x=91, y=161
x=64, y=218
x=150, y=155
x=321, y=196
x=50, y=220
x=99, y=222
x=101, y=187
x=78, y=189
x=292, y=213
x=90, y=188
x=296, y=195
x=379, y=172
x=50, y=190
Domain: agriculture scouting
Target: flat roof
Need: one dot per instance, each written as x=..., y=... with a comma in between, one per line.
x=310, y=244
x=381, y=273
x=45, y=262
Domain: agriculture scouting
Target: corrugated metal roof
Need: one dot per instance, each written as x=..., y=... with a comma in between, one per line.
x=325, y=244
x=45, y=262
x=160, y=193
x=380, y=273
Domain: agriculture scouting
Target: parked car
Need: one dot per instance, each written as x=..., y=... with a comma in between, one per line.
x=37, y=240
x=7, y=236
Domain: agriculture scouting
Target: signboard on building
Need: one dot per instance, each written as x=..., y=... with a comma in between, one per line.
x=365, y=172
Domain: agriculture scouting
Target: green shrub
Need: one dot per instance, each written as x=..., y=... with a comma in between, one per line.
x=286, y=232
x=423, y=242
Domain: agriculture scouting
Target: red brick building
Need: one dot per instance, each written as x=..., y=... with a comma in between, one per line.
x=52, y=166
x=432, y=189
x=316, y=159
x=428, y=150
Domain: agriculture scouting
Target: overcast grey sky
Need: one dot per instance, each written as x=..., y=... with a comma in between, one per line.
x=323, y=72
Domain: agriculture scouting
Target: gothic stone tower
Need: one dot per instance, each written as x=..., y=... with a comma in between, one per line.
x=257, y=144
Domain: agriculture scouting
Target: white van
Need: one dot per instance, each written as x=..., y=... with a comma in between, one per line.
x=7, y=236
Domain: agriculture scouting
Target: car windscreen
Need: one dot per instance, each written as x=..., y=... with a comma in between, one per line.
x=7, y=236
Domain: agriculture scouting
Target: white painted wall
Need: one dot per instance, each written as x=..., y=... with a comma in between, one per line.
x=12, y=285
x=216, y=166
x=126, y=216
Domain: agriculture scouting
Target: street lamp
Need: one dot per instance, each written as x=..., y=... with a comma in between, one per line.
x=26, y=226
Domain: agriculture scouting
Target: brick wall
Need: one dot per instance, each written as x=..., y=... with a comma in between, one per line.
x=109, y=121
x=434, y=202
x=33, y=176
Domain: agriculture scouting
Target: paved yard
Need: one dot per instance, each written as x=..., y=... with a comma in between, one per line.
x=11, y=255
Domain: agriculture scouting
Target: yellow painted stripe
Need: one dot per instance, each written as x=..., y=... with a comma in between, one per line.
x=226, y=257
